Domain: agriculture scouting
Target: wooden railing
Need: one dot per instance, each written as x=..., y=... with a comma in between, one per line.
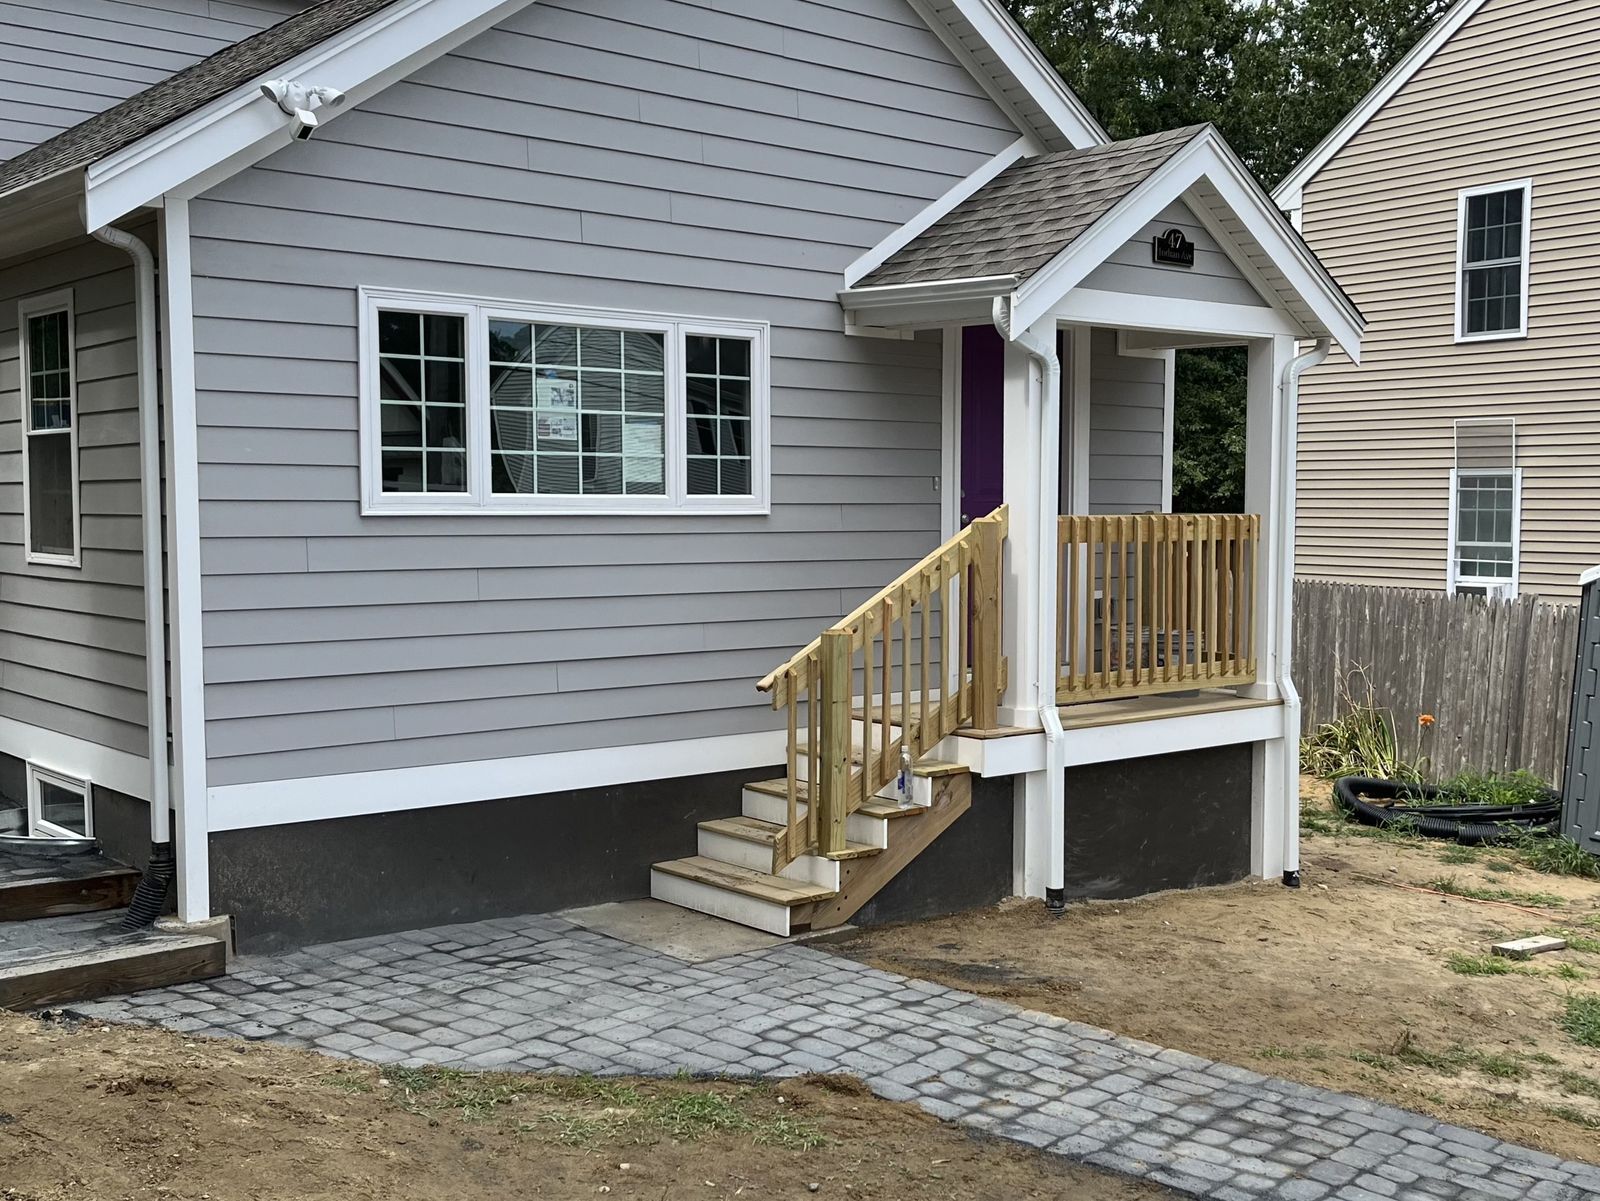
x=1156, y=602
x=926, y=653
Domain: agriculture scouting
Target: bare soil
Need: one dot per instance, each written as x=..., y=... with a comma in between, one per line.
x=95, y=1113
x=1346, y=983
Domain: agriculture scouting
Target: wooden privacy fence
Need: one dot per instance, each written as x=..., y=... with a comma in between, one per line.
x=1496, y=676
x=926, y=653
x=1155, y=602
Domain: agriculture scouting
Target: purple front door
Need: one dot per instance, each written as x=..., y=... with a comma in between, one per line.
x=983, y=432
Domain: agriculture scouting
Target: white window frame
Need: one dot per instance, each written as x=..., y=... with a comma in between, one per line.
x=1466, y=194
x=1497, y=586
x=39, y=306
x=479, y=497
x=37, y=826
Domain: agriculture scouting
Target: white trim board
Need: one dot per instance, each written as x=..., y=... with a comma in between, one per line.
x=1525, y=186
x=316, y=798
x=1589, y=576
x=1161, y=736
x=1288, y=195
x=77, y=757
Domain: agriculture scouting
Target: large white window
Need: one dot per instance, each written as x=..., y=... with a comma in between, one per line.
x=48, y=368
x=491, y=406
x=1492, y=266
x=1485, y=509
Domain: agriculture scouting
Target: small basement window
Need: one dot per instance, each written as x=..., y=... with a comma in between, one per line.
x=49, y=425
x=58, y=805
x=1492, y=292
x=487, y=406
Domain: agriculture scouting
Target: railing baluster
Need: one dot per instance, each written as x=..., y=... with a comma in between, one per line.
x=963, y=632
x=1138, y=601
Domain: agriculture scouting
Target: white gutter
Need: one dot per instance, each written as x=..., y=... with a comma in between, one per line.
x=1287, y=692
x=1047, y=670
x=155, y=616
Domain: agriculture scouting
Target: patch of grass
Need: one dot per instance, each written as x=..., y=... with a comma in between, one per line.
x=1452, y=1061
x=349, y=1082
x=1555, y=856
x=1309, y=1052
x=1584, y=944
x=1489, y=788
x=1580, y=1084
x=1534, y=900
x=1373, y=1059
x=592, y=1110
x=1362, y=742
x=1479, y=965
x=1581, y=1020
x=1567, y=971
x=1577, y=1117
x=1461, y=854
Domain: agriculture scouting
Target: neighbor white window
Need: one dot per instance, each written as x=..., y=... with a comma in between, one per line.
x=1492, y=284
x=1485, y=509
x=48, y=369
x=492, y=406
x=58, y=805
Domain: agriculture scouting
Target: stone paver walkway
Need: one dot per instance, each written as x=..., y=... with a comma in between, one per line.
x=538, y=993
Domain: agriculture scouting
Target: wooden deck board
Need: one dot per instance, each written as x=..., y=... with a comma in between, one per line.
x=1154, y=708
x=763, y=887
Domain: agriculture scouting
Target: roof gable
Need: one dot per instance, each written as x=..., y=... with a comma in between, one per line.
x=1287, y=195
x=1019, y=221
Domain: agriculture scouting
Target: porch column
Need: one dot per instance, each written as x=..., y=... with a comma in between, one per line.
x=1269, y=491
x=1031, y=491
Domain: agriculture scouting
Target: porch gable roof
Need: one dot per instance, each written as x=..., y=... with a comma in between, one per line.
x=1029, y=213
x=1035, y=231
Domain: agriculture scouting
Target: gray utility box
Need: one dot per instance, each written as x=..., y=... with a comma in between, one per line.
x=1581, y=814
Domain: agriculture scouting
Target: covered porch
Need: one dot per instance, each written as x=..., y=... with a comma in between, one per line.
x=1063, y=288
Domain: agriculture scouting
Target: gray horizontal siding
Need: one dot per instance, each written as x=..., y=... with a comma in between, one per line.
x=72, y=639
x=1127, y=441
x=654, y=154
x=1214, y=276
x=63, y=63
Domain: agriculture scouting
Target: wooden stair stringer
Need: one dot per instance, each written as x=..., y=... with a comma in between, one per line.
x=862, y=879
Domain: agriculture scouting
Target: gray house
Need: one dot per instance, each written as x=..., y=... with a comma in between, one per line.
x=426, y=422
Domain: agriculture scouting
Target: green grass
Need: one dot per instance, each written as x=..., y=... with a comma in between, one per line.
x=1567, y=971
x=1479, y=965
x=1580, y=1084
x=1581, y=1020
x=1452, y=1061
x=1557, y=857
x=1534, y=900
x=1458, y=854
x=349, y=1082
x=1489, y=788
x=589, y=1109
x=1584, y=944
x=1569, y=1113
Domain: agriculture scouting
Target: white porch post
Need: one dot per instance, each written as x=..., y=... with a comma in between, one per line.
x=1269, y=491
x=1030, y=584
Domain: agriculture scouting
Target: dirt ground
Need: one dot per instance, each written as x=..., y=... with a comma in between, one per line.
x=96, y=1113
x=1363, y=980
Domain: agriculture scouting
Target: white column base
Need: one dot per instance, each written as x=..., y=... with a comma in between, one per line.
x=1032, y=853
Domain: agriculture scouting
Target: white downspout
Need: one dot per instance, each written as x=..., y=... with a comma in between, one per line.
x=1287, y=692
x=1047, y=670
x=155, y=617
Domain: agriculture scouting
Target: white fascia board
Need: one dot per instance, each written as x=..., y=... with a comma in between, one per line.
x=1288, y=194
x=315, y=798
x=1209, y=321
x=1168, y=735
x=979, y=287
x=241, y=128
x=1025, y=146
x=1204, y=158
x=1589, y=576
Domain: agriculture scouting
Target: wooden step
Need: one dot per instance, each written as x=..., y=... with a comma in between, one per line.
x=882, y=810
x=762, y=833
x=757, y=899
x=24, y=897
x=150, y=961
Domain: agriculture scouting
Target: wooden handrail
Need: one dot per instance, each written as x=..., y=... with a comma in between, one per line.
x=936, y=627
x=1156, y=602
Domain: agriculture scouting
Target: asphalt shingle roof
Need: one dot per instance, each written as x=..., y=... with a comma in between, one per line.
x=183, y=93
x=1030, y=212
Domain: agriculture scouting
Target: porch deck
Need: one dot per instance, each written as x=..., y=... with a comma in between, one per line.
x=1127, y=710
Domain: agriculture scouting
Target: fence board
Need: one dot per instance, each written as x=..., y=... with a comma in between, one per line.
x=1494, y=674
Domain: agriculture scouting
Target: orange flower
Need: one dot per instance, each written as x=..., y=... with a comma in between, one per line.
x=1425, y=720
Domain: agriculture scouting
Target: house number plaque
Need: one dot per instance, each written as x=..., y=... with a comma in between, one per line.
x=1174, y=249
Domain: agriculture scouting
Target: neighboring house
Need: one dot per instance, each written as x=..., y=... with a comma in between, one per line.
x=589, y=362
x=1454, y=203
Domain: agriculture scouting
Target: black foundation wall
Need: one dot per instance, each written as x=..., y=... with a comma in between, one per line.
x=312, y=882
x=1167, y=821
x=966, y=867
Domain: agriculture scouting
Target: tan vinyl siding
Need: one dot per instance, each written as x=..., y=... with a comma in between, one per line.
x=1511, y=96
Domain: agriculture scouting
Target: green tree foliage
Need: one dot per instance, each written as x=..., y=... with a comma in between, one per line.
x=1275, y=76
